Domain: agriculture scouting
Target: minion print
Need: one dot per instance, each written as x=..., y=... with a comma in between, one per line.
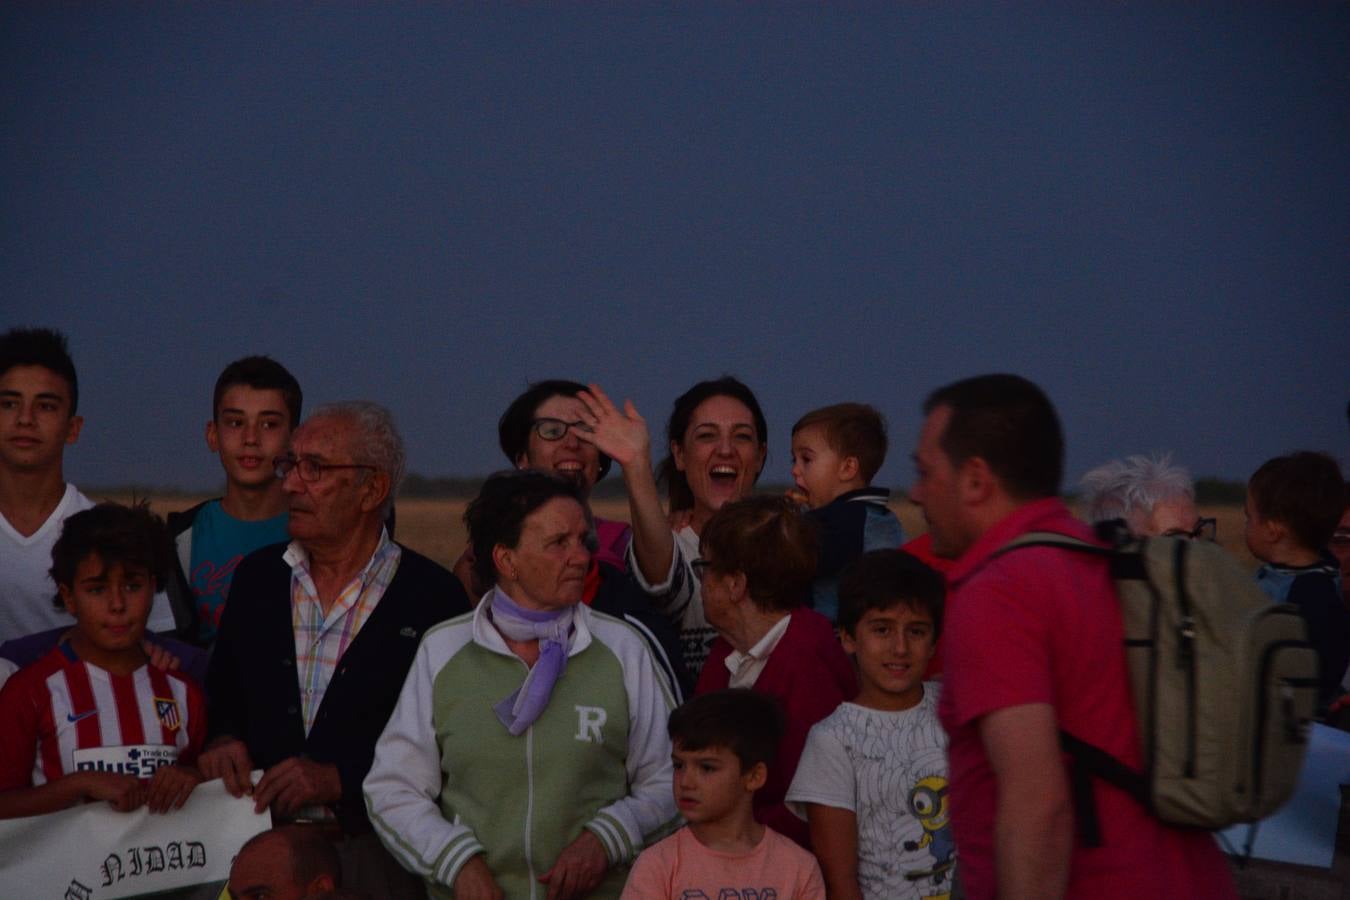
x=928, y=803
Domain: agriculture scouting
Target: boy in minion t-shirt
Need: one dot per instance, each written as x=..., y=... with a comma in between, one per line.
x=872, y=780
x=92, y=720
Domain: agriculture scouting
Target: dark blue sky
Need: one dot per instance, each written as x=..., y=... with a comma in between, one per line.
x=1144, y=209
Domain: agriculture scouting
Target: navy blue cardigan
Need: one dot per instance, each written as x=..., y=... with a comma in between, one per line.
x=251, y=686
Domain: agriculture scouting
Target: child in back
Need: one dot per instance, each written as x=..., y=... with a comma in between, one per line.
x=1293, y=505
x=872, y=781
x=836, y=452
x=92, y=720
x=255, y=406
x=722, y=745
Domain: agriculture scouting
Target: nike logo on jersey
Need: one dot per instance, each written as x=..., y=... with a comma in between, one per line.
x=71, y=717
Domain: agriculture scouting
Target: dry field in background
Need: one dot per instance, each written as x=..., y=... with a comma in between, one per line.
x=435, y=527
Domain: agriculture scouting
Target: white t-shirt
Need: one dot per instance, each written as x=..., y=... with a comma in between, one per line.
x=27, y=591
x=890, y=770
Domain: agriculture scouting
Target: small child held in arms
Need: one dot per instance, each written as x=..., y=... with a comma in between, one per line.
x=92, y=720
x=1293, y=505
x=722, y=745
x=872, y=781
x=836, y=452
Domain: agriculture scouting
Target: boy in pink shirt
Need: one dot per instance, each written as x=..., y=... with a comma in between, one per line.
x=723, y=743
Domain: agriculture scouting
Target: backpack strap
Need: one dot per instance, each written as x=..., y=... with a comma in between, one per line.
x=1087, y=760
x=1053, y=539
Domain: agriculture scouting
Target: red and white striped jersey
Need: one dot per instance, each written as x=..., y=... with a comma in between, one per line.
x=62, y=715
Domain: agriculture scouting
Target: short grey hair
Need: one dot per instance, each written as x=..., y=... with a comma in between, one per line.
x=377, y=442
x=1129, y=488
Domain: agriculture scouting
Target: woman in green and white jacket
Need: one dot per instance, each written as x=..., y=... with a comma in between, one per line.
x=528, y=753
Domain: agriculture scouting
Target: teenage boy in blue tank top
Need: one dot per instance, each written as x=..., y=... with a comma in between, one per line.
x=255, y=406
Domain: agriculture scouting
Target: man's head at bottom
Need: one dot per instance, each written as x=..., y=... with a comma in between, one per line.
x=288, y=863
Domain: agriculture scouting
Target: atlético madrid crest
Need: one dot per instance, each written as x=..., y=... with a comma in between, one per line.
x=167, y=710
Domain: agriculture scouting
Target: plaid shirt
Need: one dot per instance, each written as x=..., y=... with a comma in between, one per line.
x=321, y=640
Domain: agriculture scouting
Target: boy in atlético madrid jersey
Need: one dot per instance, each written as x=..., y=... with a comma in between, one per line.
x=93, y=720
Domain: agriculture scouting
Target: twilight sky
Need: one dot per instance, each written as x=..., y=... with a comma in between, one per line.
x=1145, y=209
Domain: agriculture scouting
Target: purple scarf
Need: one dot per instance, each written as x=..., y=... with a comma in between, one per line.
x=553, y=631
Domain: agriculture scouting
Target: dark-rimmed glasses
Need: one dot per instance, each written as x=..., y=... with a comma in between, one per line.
x=1206, y=529
x=309, y=469
x=700, y=567
x=555, y=429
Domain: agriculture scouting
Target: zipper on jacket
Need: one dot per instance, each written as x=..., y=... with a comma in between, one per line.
x=529, y=809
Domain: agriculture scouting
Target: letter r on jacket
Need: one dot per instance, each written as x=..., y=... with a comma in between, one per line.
x=590, y=719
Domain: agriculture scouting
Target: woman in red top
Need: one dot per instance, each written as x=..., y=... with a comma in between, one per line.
x=758, y=560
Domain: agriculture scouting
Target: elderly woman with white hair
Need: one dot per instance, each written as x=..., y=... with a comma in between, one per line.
x=1151, y=495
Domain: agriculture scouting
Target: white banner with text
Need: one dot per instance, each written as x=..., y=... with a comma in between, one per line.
x=93, y=852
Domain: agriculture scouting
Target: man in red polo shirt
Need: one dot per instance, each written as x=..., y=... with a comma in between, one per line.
x=1032, y=645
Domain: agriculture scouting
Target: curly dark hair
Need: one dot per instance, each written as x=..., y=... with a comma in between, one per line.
x=116, y=534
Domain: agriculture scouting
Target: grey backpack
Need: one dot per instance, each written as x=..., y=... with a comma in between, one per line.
x=1224, y=685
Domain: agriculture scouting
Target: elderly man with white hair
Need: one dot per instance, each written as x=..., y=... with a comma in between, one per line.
x=1150, y=494
x=317, y=637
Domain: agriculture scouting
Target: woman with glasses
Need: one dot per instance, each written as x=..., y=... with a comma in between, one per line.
x=543, y=430
x=717, y=440
x=758, y=560
x=528, y=751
